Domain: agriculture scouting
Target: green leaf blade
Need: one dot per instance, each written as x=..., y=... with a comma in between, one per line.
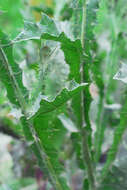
x=118, y=134
x=10, y=73
x=50, y=29
x=47, y=105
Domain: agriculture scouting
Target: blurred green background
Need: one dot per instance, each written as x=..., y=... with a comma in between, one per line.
x=106, y=48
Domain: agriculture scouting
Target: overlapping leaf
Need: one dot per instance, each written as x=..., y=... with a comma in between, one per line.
x=52, y=30
x=48, y=127
x=44, y=148
x=37, y=129
x=47, y=105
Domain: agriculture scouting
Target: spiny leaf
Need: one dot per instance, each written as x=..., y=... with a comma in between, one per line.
x=51, y=134
x=46, y=154
x=47, y=105
x=10, y=73
x=72, y=52
x=49, y=128
x=31, y=135
x=52, y=30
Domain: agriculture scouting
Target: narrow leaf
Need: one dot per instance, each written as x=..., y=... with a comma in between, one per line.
x=116, y=141
x=10, y=73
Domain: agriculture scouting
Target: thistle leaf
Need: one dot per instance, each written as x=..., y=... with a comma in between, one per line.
x=48, y=105
x=10, y=73
x=52, y=30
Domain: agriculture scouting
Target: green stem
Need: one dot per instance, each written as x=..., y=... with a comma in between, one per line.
x=116, y=141
x=83, y=24
x=84, y=136
x=99, y=135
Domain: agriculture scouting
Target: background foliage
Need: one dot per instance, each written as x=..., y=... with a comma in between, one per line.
x=43, y=93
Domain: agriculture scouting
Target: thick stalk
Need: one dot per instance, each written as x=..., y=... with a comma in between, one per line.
x=85, y=147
